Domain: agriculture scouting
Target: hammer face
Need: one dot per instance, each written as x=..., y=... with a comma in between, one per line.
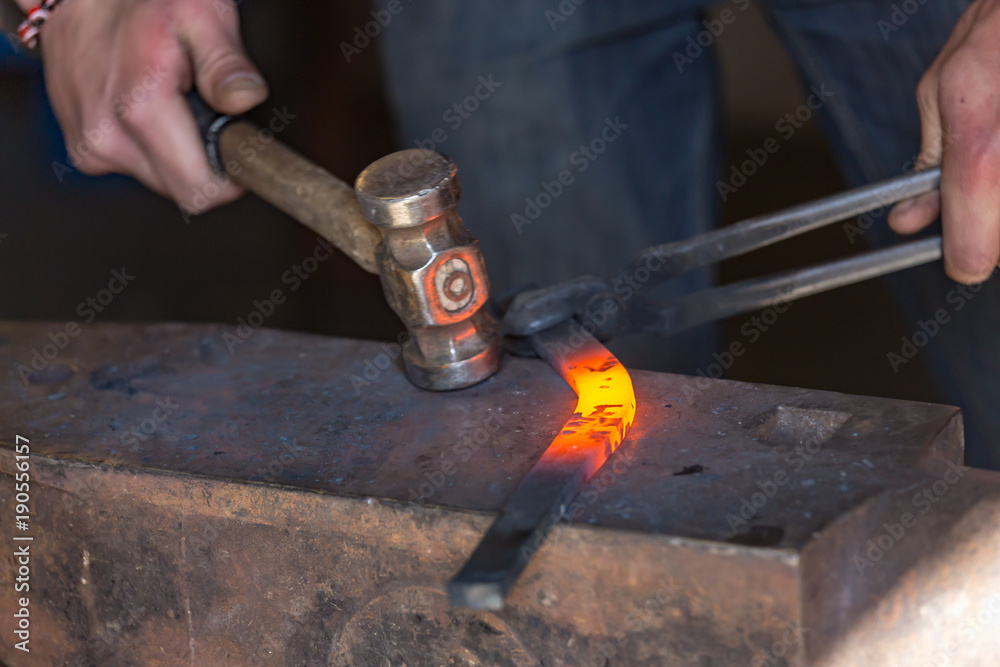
x=432, y=271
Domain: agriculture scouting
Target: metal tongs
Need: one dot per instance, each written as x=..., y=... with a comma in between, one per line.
x=614, y=305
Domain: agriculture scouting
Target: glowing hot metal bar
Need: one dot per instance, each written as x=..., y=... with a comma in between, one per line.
x=604, y=411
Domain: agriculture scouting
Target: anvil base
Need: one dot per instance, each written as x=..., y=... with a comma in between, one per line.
x=291, y=499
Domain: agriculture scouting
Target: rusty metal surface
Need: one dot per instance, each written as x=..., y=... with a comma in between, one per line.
x=306, y=402
x=300, y=502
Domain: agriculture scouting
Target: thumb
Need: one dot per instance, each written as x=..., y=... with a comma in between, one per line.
x=914, y=214
x=223, y=73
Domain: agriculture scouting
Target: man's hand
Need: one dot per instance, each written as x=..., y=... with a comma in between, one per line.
x=117, y=72
x=959, y=99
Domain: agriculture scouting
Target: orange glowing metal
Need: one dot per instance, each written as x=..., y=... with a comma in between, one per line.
x=605, y=406
x=605, y=409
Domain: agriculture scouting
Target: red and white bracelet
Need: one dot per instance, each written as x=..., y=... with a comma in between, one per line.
x=29, y=28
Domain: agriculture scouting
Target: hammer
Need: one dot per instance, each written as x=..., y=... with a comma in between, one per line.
x=398, y=221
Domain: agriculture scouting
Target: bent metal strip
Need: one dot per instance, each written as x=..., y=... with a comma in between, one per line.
x=604, y=411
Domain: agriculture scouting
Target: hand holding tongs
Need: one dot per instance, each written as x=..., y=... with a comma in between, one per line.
x=612, y=309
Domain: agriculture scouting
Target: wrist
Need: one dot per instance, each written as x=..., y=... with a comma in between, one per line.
x=37, y=15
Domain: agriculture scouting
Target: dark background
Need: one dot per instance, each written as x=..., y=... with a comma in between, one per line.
x=64, y=238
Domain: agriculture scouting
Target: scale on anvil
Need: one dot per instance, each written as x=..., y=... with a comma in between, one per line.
x=729, y=596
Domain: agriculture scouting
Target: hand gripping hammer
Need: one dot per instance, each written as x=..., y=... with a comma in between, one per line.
x=399, y=221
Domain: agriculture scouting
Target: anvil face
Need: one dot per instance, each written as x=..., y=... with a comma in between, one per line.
x=192, y=494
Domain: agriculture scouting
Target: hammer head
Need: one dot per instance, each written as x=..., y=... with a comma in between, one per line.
x=431, y=269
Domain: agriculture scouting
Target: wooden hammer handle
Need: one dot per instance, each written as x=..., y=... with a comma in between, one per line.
x=302, y=189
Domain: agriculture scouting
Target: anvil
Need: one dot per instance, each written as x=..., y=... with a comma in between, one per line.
x=195, y=505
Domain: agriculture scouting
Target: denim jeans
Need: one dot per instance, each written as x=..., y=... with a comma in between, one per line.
x=585, y=130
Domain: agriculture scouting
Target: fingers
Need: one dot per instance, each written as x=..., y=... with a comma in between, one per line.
x=912, y=215
x=193, y=44
x=970, y=174
x=122, y=106
x=167, y=135
x=128, y=159
x=959, y=102
x=223, y=73
x=931, y=130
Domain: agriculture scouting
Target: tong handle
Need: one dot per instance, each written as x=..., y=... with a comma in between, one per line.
x=705, y=249
x=716, y=303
